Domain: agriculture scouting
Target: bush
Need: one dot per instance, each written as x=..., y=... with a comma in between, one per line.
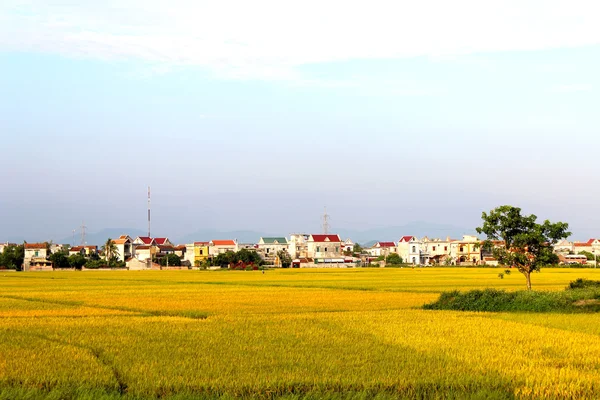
x=583, y=284
x=582, y=297
x=393, y=259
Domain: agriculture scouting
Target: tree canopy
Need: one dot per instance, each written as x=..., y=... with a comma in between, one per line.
x=525, y=244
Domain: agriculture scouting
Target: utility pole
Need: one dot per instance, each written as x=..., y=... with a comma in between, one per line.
x=149, y=211
x=73, y=242
x=83, y=228
x=326, y=222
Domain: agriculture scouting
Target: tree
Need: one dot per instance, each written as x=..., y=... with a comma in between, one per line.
x=77, y=261
x=59, y=260
x=12, y=257
x=393, y=259
x=527, y=244
x=110, y=250
x=284, y=258
x=357, y=248
x=173, y=259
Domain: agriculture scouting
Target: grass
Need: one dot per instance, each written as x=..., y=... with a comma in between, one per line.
x=337, y=334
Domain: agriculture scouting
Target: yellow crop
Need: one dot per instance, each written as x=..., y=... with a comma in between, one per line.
x=316, y=333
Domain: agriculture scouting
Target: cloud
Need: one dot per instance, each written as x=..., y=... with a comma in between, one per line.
x=270, y=39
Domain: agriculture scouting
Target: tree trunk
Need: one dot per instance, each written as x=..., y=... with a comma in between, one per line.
x=528, y=279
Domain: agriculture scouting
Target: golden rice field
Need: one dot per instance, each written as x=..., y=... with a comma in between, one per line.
x=356, y=334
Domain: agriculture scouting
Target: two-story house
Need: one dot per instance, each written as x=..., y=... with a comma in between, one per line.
x=268, y=247
x=85, y=251
x=125, y=247
x=383, y=249
x=466, y=251
x=325, y=248
x=409, y=249
x=36, y=255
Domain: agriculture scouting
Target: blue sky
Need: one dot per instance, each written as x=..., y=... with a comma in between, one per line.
x=386, y=113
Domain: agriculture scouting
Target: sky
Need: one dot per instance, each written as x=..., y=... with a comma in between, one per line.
x=257, y=115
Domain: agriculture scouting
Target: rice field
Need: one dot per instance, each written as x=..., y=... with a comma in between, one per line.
x=356, y=334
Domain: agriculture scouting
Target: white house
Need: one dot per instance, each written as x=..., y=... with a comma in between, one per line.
x=35, y=257
x=268, y=247
x=297, y=245
x=217, y=247
x=383, y=249
x=409, y=249
x=125, y=248
x=438, y=250
x=348, y=245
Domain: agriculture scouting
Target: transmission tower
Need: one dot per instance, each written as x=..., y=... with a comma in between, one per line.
x=83, y=228
x=326, y=222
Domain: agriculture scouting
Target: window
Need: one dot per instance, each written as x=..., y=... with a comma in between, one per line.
x=433, y=248
x=37, y=253
x=201, y=252
x=414, y=249
x=268, y=250
x=445, y=248
x=318, y=249
x=337, y=249
x=325, y=249
x=462, y=249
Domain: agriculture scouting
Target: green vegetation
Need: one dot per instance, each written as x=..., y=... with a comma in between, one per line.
x=527, y=245
x=12, y=257
x=172, y=260
x=393, y=259
x=580, y=296
x=243, y=256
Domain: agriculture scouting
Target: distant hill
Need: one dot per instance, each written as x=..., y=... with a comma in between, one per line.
x=394, y=233
x=210, y=234
x=99, y=238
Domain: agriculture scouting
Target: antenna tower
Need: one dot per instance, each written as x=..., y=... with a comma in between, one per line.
x=326, y=222
x=149, y=211
x=83, y=228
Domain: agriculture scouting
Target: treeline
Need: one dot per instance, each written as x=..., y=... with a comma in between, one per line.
x=61, y=260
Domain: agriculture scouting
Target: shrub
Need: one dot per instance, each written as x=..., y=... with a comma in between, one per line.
x=583, y=284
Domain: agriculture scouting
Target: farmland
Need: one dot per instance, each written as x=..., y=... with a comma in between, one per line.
x=357, y=333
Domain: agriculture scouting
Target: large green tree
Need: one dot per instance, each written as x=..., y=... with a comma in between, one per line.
x=284, y=258
x=12, y=257
x=526, y=244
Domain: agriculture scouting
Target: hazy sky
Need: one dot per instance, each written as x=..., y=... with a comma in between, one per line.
x=256, y=114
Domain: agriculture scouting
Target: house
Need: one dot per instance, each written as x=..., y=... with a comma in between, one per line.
x=297, y=245
x=348, y=245
x=145, y=252
x=382, y=249
x=437, y=249
x=125, y=249
x=85, y=251
x=197, y=253
x=409, y=249
x=217, y=247
x=144, y=240
x=36, y=257
x=325, y=248
x=5, y=245
x=180, y=251
x=466, y=251
x=163, y=241
x=268, y=247
x=591, y=246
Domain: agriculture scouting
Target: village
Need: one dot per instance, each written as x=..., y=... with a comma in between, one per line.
x=296, y=251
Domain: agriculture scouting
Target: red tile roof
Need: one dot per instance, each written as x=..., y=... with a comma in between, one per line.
x=406, y=238
x=326, y=238
x=386, y=244
x=180, y=247
x=591, y=241
x=145, y=239
x=223, y=242
x=161, y=240
x=582, y=244
x=35, y=245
